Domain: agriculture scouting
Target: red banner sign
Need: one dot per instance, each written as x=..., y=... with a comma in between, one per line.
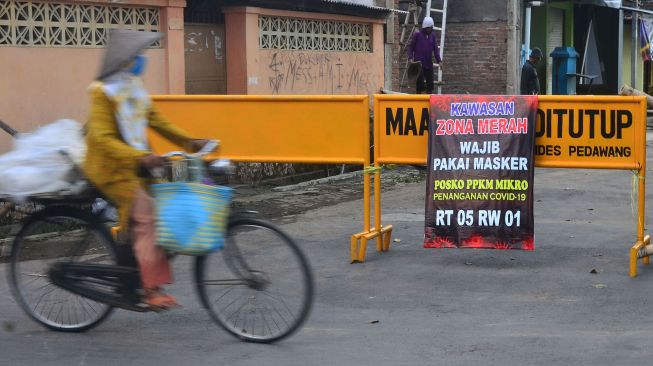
x=480, y=179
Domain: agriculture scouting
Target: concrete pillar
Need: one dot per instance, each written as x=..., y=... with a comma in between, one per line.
x=173, y=24
x=389, y=45
x=512, y=58
x=241, y=38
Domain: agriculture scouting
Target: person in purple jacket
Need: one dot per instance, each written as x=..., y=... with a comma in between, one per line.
x=422, y=48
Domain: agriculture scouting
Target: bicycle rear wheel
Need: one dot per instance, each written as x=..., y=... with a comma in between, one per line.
x=58, y=234
x=259, y=288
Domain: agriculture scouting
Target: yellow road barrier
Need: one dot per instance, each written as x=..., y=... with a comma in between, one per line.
x=279, y=129
x=596, y=132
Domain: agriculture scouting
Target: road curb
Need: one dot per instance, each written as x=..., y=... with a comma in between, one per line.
x=314, y=182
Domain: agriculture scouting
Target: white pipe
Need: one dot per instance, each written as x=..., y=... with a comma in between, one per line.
x=527, y=30
x=590, y=29
x=620, y=51
x=633, y=51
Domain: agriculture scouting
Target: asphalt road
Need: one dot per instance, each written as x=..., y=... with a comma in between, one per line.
x=412, y=306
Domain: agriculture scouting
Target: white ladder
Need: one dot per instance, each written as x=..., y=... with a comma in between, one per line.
x=411, y=24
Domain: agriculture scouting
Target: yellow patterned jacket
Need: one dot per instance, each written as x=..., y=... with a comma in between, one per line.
x=110, y=162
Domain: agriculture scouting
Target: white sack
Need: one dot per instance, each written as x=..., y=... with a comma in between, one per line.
x=36, y=166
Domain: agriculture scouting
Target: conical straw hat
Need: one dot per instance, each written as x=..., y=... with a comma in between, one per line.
x=124, y=45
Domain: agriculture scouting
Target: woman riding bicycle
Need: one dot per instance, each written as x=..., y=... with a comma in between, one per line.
x=121, y=112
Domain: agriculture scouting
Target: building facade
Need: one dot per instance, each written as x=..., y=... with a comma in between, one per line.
x=485, y=44
x=605, y=34
x=481, y=46
x=50, y=51
x=295, y=52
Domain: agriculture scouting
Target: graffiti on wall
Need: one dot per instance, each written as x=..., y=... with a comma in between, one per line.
x=317, y=72
x=197, y=42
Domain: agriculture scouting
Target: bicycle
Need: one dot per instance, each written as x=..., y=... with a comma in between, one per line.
x=67, y=273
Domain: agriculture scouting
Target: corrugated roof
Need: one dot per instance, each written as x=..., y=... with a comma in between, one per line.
x=609, y=3
x=342, y=7
x=359, y=2
x=355, y=5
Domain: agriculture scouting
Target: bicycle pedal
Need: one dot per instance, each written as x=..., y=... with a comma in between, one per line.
x=146, y=307
x=157, y=309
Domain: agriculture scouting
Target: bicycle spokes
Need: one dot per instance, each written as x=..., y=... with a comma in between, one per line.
x=272, y=292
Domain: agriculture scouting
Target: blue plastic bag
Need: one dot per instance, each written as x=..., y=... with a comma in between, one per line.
x=191, y=217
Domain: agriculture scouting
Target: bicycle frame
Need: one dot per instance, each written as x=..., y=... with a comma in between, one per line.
x=77, y=269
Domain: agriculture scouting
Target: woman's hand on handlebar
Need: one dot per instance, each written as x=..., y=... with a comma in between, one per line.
x=152, y=161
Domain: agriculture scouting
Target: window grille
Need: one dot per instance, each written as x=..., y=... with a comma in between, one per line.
x=46, y=24
x=313, y=35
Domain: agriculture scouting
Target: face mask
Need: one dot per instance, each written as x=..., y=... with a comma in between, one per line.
x=139, y=65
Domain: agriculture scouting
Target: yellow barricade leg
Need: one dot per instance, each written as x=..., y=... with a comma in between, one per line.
x=377, y=206
x=633, y=258
x=361, y=249
x=641, y=249
x=359, y=244
x=354, y=248
x=386, y=233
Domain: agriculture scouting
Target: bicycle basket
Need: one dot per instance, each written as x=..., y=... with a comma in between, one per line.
x=185, y=169
x=191, y=217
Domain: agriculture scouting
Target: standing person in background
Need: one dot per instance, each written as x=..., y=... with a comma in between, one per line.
x=530, y=84
x=423, y=47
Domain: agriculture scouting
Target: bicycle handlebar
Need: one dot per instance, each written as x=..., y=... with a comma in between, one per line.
x=208, y=148
x=216, y=167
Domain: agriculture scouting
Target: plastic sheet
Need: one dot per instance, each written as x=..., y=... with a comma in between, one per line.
x=44, y=161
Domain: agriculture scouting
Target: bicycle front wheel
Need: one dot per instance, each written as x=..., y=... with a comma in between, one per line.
x=259, y=288
x=58, y=234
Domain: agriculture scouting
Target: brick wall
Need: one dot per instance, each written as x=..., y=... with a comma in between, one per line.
x=396, y=77
x=474, y=58
x=396, y=57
